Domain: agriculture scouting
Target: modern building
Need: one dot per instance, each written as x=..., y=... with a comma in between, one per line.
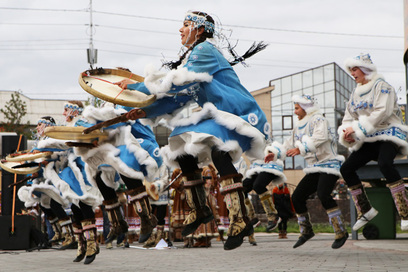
x=329, y=84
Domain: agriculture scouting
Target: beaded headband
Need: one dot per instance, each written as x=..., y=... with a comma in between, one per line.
x=73, y=107
x=46, y=122
x=200, y=21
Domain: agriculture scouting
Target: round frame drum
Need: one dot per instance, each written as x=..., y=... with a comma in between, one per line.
x=7, y=166
x=74, y=133
x=27, y=156
x=99, y=83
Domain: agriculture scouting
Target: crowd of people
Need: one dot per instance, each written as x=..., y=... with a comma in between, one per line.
x=201, y=170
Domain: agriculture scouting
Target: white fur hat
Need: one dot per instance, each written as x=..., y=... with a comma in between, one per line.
x=362, y=61
x=306, y=102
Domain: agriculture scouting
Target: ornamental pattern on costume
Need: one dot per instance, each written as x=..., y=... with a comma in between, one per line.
x=394, y=131
x=193, y=90
x=253, y=119
x=156, y=152
x=270, y=165
x=362, y=105
x=267, y=128
x=334, y=164
x=140, y=140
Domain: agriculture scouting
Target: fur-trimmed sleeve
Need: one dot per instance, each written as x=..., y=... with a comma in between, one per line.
x=319, y=135
x=277, y=149
x=383, y=107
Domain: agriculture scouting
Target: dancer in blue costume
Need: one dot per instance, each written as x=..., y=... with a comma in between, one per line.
x=229, y=123
x=131, y=153
x=42, y=190
x=74, y=185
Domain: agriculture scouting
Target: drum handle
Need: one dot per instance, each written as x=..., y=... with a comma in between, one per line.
x=107, y=123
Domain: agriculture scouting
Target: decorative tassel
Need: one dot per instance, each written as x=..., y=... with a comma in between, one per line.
x=255, y=48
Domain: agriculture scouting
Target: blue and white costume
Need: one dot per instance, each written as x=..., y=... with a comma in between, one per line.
x=130, y=150
x=230, y=118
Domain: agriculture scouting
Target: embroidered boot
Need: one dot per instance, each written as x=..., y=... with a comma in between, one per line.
x=271, y=212
x=251, y=239
x=115, y=214
x=57, y=230
x=337, y=222
x=68, y=232
x=235, y=201
x=399, y=194
x=81, y=250
x=251, y=213
x=197, y=200
x=148, y=221
x=365, y=212
x=306, y=230
x=92, y=247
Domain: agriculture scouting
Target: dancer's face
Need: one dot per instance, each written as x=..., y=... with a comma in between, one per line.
x=189, y=33
x=40, y=129
x=299, y=112
x=358, y=75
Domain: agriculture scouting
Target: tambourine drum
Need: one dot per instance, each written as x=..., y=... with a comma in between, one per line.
x=99, y=83
x=8, y=166
x=27, y=156
x=151, y=194
x=74, y=133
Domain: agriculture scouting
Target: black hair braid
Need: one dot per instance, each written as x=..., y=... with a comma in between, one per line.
x=174, y=64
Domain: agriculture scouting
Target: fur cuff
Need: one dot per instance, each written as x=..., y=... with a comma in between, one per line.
x=360, y=132
x=302, y=147
x=277, y=149
x=306, y=140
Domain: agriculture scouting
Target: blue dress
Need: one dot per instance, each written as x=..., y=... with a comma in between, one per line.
x=230, y=118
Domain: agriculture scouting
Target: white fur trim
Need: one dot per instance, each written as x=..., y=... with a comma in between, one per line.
x=309, y=143
x=301, y=147
x=231, y=122
x=277, y=149
x=310, y=170
x=93, y=114
x=280, y=175
x=160, y=83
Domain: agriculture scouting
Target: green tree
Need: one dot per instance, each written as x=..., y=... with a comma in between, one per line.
x=14, y=111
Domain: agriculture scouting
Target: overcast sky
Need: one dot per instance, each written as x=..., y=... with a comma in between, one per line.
x=43, y=42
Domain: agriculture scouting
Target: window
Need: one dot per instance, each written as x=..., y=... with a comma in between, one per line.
x=287, y=122
x=318, y=76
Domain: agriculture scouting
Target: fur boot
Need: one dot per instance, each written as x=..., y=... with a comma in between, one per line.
x=251, y=239
x=399, y=195
x=235, y=200
x=337, y=221
x=306, y=229
x=365, y=212
x=68, y=233
x=92, y=247
x=57, y=230
x=251, y=213
x=115, y=214
x=81, y=250
x=271, y=212
x=148, y=221
x=197, y=200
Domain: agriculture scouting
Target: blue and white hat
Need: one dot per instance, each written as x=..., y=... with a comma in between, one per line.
x=364, y=62
x=306, y=102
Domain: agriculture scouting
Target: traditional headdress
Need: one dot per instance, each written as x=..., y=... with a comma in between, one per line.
x=199, y=21
x=306, y=102
x=47, y=120
x=73, y=107
x=364, y=62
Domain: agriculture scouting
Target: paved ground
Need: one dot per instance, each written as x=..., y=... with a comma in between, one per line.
x=271, y=254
